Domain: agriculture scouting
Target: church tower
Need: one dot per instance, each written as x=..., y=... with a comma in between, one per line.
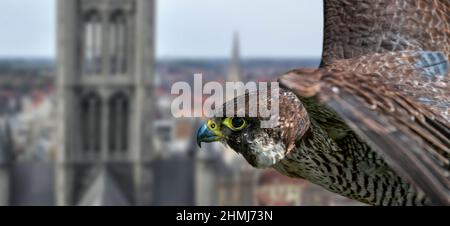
x=105, y=85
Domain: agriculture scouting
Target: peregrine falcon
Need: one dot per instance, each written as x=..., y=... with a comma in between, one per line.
x=373, y=122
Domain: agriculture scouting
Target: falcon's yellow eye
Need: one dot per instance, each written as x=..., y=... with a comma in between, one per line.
x=235, y=124
x=212, y=125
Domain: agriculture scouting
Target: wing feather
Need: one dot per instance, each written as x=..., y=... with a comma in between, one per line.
x=355, y=28
x=380, y=97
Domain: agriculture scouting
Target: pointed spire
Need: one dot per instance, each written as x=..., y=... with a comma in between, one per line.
x=234, y=74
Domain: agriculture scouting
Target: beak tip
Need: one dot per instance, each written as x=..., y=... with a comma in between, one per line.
x=200, y=134
x=204, y=135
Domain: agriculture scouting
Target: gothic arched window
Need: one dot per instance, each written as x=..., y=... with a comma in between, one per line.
x=92, y=26
x=118, y=121
x=118, y=42
x=90, y=123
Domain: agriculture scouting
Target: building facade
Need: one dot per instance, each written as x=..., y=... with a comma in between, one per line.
x=104, y=81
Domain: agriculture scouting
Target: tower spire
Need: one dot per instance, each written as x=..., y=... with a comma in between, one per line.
x=234, y=74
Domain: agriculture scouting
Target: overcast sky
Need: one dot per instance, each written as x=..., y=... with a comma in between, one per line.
x=185, y=28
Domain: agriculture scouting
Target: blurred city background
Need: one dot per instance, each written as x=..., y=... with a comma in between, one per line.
x=85, y=97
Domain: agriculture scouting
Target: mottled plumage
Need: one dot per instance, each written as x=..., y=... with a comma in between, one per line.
x=373, y=123
x=355, y=28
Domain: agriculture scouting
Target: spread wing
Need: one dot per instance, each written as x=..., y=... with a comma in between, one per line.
x=399, y=103
x=355, y=28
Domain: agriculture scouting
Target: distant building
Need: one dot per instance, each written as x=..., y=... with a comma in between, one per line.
x=275, y=189
x=105, y=84
x=234, y=73
x=239, y=187
x=234, y=70
x=6, y=160
x=23, y=181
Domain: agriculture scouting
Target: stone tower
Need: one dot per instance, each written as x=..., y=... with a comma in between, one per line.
x=105, y=85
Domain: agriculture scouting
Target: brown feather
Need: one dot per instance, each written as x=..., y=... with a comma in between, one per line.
x=355, y=28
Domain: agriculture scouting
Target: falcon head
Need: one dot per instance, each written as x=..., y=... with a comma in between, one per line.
x=261, y=147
